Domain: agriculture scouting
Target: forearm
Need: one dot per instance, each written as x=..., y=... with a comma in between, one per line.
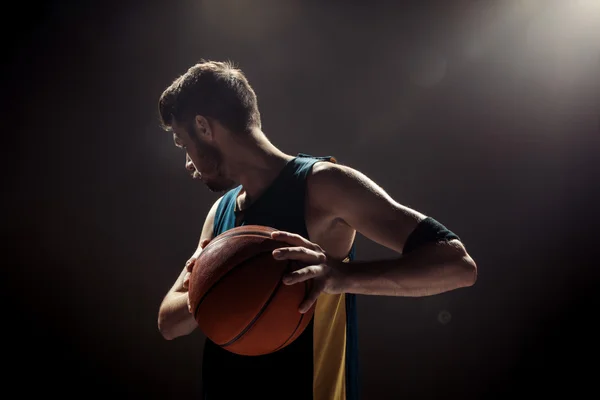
x=174, y=319
x=428, y=270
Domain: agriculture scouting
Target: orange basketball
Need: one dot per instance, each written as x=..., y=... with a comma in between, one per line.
x=237, y=295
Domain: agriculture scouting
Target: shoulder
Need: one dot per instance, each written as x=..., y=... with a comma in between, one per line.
x=225, y=199
x=329, y=182
x=216, y=204
x=229, y=194
x=331, y=176
x=324, y=170
x=210, y=217
x=216, y=209
x=208, y=228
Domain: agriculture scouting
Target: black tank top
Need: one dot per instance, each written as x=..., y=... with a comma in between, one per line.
x=322, y=363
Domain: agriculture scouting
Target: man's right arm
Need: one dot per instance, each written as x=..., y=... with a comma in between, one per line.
x=174, y=319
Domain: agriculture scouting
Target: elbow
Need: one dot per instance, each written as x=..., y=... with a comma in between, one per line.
x=464, y=267
x=165, y=333
x=469, y=268
x=163, y=330
x=174, y=319
x=163, y=326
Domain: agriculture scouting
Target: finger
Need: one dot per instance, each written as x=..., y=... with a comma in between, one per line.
x=311, y=298
x=303, y=274
x=189, y=306
x=186, y=280
x=200, y=248
x=189, y=265
x=300, y=254
x=292, y=239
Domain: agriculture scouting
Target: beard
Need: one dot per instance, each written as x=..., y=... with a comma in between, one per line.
x=219, y=185
x=211, y=173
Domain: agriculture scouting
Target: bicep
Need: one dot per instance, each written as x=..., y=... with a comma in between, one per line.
x=365, y=206
x=206, y=234
x=208, y=227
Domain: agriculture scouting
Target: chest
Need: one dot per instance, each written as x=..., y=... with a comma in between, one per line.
x=289, y=206
x=321, y=226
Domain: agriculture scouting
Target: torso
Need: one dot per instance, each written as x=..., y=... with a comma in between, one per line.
x=324, y=228
x=321, y=364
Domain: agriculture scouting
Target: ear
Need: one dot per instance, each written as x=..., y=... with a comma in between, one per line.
x=204, y=127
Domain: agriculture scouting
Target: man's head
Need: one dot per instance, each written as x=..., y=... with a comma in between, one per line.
x=210, y=100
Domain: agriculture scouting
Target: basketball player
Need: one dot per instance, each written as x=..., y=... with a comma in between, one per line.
x=317, y=206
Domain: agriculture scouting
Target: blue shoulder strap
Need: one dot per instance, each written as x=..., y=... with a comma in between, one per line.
x=225, y=216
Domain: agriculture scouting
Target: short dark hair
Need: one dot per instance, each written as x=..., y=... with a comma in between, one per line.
x=212, y=89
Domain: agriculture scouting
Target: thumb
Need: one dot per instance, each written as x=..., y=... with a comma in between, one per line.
x=189, y=265
x=186, y=281
x=203, y=244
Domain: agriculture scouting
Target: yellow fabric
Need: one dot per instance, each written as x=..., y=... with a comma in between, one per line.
x=329, y=347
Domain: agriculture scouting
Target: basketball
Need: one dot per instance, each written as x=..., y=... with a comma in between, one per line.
x=237, y=295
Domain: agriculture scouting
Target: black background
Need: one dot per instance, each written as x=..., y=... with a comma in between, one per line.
x=501, y=148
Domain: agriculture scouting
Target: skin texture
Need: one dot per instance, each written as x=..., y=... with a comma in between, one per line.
x=341, y=201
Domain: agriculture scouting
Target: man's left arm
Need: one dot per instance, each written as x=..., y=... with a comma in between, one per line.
x=437, y=261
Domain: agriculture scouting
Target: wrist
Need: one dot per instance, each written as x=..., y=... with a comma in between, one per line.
x=349, y=278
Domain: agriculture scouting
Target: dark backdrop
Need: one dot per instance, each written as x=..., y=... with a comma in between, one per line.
x=482, y=114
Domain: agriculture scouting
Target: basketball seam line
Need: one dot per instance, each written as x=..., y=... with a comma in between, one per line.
x=256, y=317
x=223, y=277
x=226, y=235
x=299, y=322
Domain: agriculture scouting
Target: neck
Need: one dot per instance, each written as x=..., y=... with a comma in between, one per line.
x=254, y=162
